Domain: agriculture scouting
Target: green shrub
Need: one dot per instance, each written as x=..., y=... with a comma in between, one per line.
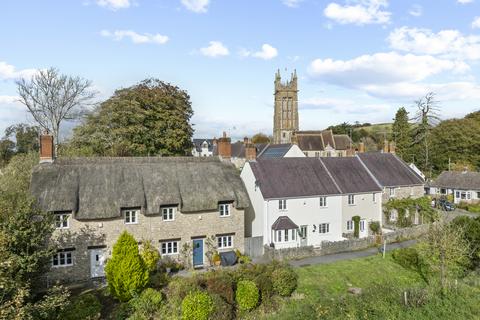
x=221, y=283
x=125, y=271
x=85, y=307
x=147, y=303
x=356, y=226
x=121, y=311
x=284, y=281
x=375, y=227
x=180, y=287
x=244, y=259
x=265, y=285
x=246, y=295
x=159, y=280
x=407, y=258
x=223, y=310
x=197, y=305
x=150, y=255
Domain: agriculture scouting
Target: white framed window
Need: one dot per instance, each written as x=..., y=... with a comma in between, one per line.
x=374, y=197
x=168, y=213
x=169, y=247
x=62, y=259
x=457, y=194
x=324, y=228
x=478, y=194
x=224, y=209
x=225, y=242
x=294, y=234
x=349, y=225
x=62, y=220
x=323, y=202
x=362, y=225
x=351, y=199
x=393, y=215
x=391, y=192
x=278, y=235
x=282, y=204
x=286, y=235
x=469, y=195
x=317, y=154
x=131, y=216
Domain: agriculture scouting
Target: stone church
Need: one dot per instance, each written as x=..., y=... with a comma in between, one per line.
x=322, y=143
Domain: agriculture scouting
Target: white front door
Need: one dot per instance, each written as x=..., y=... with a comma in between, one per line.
x=97, y=262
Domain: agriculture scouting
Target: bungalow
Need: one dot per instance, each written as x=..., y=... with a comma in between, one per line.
x=304, y=201
x=173, y=202
x=464, y=186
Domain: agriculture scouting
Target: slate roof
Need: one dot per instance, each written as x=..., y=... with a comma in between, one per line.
x=318, y=140
x=308, y=177
x=275, y=150
x=310, y=142
x=197, y=143
x=342, y=141
x=98, y=188
x=458, y=180
x=350, y=175
x=389, y=170
x=284, y=223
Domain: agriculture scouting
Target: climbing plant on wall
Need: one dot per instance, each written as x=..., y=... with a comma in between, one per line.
x=406, y=209
x=356, y=226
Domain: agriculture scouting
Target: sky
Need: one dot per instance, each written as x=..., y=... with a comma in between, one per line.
x=357, y=60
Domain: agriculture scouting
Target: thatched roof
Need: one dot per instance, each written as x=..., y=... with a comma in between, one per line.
x=98, y=188
x=466, y=180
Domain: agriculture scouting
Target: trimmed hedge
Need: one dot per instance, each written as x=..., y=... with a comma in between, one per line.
x=284, y=281
x=247, y=295
x=197, y=305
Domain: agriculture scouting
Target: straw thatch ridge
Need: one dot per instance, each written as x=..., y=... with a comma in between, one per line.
x=99, y=188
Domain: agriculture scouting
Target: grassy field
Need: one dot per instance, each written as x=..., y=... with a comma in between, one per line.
x=322, y=294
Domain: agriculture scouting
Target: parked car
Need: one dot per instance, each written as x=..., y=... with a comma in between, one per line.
x=446, y=205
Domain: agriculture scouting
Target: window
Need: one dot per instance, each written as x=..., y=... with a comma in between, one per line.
x=349, y=225
x=478, y=194
x=224, y=242
x=351, y=199
x=303, y=232
x=168, y=213
x=294, y=234
x=278, y=236
x=286, y=235
x=329, y=154
x=469, y=195
x=324, y=228
x=169, y=247
x=317, y=154
x=131, y=216
x=374, y=197
x=62, y=220
x=224, y=209
x=393, y=215
x=391, y=192
x=323, y=202
x=62, y=259
x=457, y=194
x=282, y=204
x=443, y=191
x=362, y=225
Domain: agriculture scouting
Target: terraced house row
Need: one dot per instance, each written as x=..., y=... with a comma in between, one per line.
x=183, y=202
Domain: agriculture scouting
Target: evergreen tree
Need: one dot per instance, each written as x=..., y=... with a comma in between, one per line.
x=402, y=133
x=126, y=271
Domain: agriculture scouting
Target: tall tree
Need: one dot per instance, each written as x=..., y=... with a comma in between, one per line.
x=52, y=98
x=426, y=117
x=26, y=137
x=150, y=118
x=402, y=133
x=260, y=138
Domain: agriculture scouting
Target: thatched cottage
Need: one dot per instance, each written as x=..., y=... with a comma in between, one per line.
x=169, y=201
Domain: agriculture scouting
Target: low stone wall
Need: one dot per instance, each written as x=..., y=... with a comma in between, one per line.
x=328, y=247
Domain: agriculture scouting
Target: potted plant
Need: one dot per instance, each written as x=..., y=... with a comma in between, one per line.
x=216, y=259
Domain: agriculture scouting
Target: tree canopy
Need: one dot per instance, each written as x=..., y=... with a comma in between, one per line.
x=149, y=118
x=402, y=133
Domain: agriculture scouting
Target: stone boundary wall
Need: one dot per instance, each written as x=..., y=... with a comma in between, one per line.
x=331, y=247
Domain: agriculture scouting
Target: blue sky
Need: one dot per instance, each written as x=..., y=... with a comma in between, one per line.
x=357, y=60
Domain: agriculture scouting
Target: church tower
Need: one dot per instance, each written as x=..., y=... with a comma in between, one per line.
x=285, y=118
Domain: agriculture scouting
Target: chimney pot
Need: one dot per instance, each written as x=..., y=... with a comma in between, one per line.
x=47, y=150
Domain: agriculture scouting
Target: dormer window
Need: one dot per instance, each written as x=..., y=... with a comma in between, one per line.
x=62, y=220
x=131, y=216
x=168, y=213
x=224, y=209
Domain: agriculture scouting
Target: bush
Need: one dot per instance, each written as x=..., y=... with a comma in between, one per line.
x=150, y=255
x=221, y=283
x=147, y=303
x=197, y=305
x=265, y=285
x=223, y=310
x=407, y=258
x=179, y=288
x=85, y=307
x=125, y=271
x=247, y=295
x=284, y=281
x=121, y=312
x=375, y=227
x=159, y=280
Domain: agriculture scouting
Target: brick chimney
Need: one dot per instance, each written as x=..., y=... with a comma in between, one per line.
x=361, y=147
x=250, y=150
x=385, y=146
x=391, y=147
x=224, y=146
x=47, y=149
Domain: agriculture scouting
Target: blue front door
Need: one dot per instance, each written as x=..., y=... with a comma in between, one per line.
x=197, y=252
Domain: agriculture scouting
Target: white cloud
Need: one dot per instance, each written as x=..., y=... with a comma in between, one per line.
x=291, y=3
x=114, y=4
x=215, y=49
x=464, y=1
x=198, y=6
x=136, y=38
x=416, y=10
x=268, y=52
x=359, y=12
x=8, y=99
x=476, y=23
x=446, y=43
x=9, y=72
